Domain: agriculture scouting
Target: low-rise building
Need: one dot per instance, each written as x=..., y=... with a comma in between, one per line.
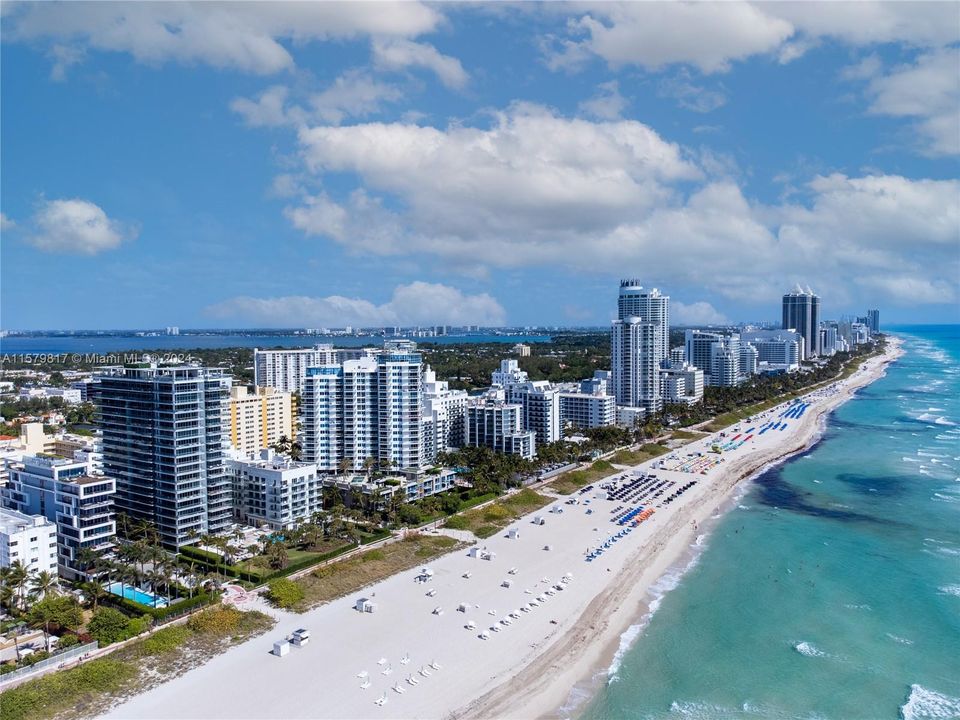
x=587, y=409
x=494, y=423
x=275, y=491
x=682, y=383
x=28, y=539
x=78, y=503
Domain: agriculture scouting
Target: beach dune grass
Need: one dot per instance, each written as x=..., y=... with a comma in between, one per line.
x=489, y=520
x=90, y=688
x=570, y=482
x=635, y=457
x=341, y=578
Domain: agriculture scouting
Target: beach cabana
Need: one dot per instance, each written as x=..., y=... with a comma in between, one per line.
x=463, y=607
x=365, y=605
x=281, y=648
x=300, y=637
x=513, y=534
x=538, y=520
x=548, y=547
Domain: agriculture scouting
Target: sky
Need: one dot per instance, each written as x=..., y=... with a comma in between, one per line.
x=325, y=164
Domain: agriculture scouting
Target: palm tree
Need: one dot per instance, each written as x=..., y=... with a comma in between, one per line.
x=93, y=591
x=43, y=583
x=17, y=577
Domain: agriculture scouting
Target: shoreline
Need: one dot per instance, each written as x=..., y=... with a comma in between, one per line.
x=524, y=667
x=567, y=676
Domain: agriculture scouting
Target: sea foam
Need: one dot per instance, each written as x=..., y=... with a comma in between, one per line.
x=926, y=704
x=809, y=649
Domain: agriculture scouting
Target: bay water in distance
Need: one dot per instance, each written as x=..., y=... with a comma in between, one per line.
x=832, y=590
x=104, y=344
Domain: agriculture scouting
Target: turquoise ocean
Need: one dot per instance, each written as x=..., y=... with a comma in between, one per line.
x=831, y=589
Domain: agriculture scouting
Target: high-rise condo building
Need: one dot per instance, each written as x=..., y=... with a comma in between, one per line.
x=65, y=492
x=258, y=419
x=164, y=442
x=648, y=305
x=444, y=416
x=539, y=400
x=749, y=357
x=365, y=408
x=286, y=369
x=636, y=355
x=801, y=312
x=873, y=320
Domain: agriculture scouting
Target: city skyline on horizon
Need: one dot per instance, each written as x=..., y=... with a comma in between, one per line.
x=308, y=165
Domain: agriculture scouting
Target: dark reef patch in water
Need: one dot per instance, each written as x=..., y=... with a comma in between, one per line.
x=777, y=492
x=882, y=485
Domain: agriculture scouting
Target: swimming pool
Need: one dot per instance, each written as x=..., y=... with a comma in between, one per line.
x=136, y=594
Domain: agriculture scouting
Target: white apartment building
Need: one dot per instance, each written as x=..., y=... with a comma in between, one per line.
x=778, y=351
x=275, y=491
x=497, y=424
x=28, y=539
x=539, y=400
x=681, y=383
x=446, y=411
x=725, y=362
x=79, y=504
x=286, y=370
x=649, y=305
x=522, y=350
x=587, y=410
x=365, y=408
x=259, y=418
x=71, y=396
x=637, y=351
x=749, y=357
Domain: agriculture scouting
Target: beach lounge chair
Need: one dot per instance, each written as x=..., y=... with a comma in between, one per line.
x=398, y=689
x=436, y=666
x=387, y=670
x=405, y=659
x=363, y=674
x=382, y=661
x=425, y=672
x=412, y=680
x=382, y=700
x=484, y=635
x=365, y=684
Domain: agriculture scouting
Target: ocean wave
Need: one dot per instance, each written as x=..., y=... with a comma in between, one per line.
x=927, y=453
x=943, y=421
x=945, y=498
x=898, y=639
x=627, y=639
x=855, y=606
x=700, y=710
x=950, y=590
x=910, y=459
x=809, y=649
x=926, y=704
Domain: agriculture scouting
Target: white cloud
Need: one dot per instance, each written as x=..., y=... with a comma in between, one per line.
x=6, y=223
x=653, y=35
x=928, y=90
x=267, y=110
x=712, y=35
x=355, y=93
x=607, y=104
x=245, y=36
x=76, y=226
x=399, y=54
x=920, y=24
x=910, y=289
x=418, y=303
x=689, y=95
x=696, y=313
x=63, y=56
x=535, y=189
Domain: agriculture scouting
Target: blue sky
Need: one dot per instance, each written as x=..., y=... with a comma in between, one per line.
x=318, y=165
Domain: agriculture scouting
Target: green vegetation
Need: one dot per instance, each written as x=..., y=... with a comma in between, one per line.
x=646, y=452
x=165, y=640
x=570, y=482
x=687, y=435
x=347, y=576
x=284, y=593
x=90, y=688
x=108, y=626
x=486, y=521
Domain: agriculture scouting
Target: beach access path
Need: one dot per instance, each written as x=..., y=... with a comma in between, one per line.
x=426, y=644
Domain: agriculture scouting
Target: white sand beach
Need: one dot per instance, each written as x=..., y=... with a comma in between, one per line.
x=524, y=669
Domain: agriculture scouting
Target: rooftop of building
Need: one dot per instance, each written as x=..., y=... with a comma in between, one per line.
x=12, y=521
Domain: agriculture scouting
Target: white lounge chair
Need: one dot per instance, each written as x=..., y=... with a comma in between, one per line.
x=405, y=659
x=435, y=665
x=365, y=685
x=398, y=689
x=425, y=672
